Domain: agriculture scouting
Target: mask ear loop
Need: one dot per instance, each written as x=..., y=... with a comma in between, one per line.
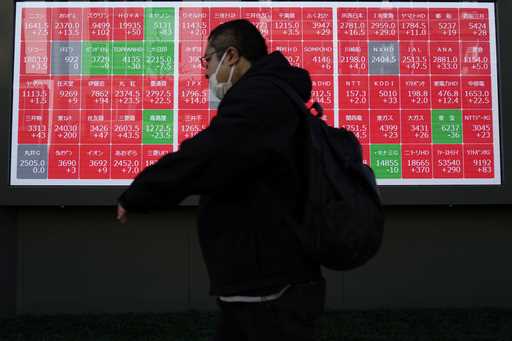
x=220, y=63
x=231, y=73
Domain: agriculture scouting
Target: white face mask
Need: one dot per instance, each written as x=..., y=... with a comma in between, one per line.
x=220, y=89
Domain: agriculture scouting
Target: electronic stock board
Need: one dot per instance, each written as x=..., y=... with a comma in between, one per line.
x=101, y=90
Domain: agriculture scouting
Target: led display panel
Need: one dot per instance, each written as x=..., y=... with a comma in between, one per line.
x=101, y=90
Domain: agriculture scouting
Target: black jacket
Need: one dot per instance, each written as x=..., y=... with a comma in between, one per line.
x=246, y=167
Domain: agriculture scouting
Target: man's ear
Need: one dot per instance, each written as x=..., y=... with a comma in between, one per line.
x=233, y=55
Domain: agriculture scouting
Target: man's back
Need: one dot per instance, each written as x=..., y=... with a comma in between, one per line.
x=246, y=243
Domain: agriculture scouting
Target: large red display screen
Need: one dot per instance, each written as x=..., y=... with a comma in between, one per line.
x=101, y=90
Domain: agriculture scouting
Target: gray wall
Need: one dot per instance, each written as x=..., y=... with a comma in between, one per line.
x=80, y=260
x=8, y=258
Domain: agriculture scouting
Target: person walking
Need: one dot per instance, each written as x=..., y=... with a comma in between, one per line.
x=246, y=167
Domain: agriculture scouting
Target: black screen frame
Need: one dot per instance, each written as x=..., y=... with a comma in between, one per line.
x=392, y=195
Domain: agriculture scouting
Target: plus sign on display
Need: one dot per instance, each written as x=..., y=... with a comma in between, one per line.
x=102, y=90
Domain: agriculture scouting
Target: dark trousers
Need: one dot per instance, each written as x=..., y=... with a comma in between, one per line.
x=292, y=317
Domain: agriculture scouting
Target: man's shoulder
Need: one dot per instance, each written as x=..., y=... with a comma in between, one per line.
x=258, y=98
x=255, y=91
x=255, y=85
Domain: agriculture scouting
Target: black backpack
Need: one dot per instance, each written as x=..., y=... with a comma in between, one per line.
x=342, y=223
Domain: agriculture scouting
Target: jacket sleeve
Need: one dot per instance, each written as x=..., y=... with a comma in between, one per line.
x=222, y=154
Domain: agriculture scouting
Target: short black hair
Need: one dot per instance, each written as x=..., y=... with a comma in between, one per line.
x=242, y=35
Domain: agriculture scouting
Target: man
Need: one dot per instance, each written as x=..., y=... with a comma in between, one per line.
x=246, y=167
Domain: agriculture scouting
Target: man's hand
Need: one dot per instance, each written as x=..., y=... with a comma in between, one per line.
x=122, y=214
